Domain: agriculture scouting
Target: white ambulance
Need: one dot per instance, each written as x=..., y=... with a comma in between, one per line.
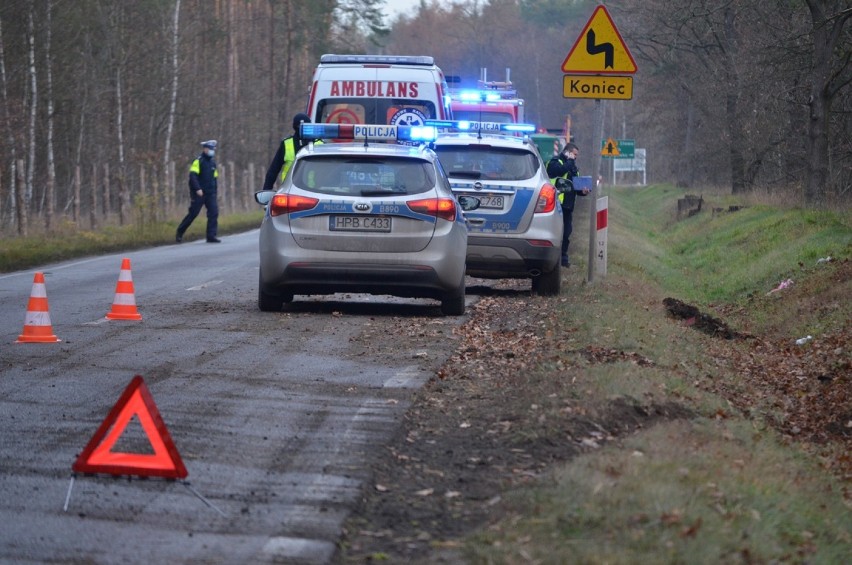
x=378, y=89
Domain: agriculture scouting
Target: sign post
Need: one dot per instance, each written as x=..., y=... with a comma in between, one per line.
x=591, y=70
x=601, y=219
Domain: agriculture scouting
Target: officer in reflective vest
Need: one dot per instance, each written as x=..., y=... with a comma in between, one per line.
x=286, y=154
x=203, y=184
x=562, y=169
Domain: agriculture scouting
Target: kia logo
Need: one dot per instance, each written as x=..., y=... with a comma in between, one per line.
x=363, y=206
x=477, y=185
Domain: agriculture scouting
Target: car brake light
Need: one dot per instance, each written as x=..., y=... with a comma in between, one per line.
x=289, y=203
x=546, y=200
x=439, y=207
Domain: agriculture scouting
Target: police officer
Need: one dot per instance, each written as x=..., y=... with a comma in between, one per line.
x=203, y=177
x=562, y=169
x=286, y=154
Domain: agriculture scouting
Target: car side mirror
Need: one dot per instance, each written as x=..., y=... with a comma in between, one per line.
x=264, y=197
x=468, y=203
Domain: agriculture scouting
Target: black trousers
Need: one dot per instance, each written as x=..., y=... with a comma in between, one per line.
x=567, y=228
x=208, y=200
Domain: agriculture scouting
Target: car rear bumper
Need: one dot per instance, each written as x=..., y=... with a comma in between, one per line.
x=326, y=278
x=496, y=257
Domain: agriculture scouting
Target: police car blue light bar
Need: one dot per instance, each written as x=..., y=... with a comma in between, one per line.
x=465, y=125
x=370, y=132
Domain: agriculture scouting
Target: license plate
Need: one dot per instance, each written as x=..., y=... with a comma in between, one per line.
x=491, y=201
x=360, y=223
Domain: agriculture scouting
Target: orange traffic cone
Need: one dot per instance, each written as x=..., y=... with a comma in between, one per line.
x=37, y=328
x=124, y=305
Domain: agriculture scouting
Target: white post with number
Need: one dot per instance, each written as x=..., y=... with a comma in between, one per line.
x=601, y=219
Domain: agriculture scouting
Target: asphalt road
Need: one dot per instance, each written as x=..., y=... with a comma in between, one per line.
x=275, y=415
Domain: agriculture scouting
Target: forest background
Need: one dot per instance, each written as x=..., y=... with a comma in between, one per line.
x=103, y=103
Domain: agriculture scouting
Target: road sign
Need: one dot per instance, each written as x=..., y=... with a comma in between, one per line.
x=618, y=148
x=592, y=86
x=599, y=49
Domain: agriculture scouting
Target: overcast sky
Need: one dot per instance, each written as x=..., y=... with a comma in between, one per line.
x=393, y=8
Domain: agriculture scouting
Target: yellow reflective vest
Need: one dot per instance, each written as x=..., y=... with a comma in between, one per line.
x=290, y=155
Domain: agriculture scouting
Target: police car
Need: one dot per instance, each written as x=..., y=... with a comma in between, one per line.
x=366, y=216
x=516, y=231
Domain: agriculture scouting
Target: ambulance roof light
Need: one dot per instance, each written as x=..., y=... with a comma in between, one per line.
x=330, y=58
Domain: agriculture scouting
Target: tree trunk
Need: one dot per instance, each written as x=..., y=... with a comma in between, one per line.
x=169, y=189
x=232, y=180
x=732, y=103
x=827, y=31
x=17, y=190
x=93, y=205
x=50, y=210
x=76, y=207
x=119, y=132
x=685, y=170
x=31, y=157
x=167, y=152
x=106, y=200
x=10, y=136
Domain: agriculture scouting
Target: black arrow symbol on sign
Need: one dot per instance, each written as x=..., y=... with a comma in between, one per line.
x=610, y=148
x=606, y=48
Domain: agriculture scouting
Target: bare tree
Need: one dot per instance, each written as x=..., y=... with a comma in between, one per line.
x=50, y=192
x=7, y=126
x=31, y=157
x=831, y=70
x=167, y=149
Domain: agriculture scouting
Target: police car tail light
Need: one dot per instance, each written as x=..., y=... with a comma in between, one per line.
x=466, y=125
x=287, y=204
x=369, y=132
x=546, y=200
x=439, y=207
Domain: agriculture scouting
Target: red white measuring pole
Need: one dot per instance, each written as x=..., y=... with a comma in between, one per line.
x=601, y=219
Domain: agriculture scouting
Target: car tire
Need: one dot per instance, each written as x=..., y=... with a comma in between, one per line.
x=271, y=302
x=548, y=283
x=452, y=304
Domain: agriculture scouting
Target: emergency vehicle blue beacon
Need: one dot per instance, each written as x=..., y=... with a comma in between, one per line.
x=374, y=132
x=489, y=127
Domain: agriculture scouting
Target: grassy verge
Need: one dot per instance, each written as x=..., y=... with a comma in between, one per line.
x=67, y=242
x=719, y=485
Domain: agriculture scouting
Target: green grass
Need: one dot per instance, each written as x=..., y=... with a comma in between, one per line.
x=714, y=487
x=67, y=242
x=725, y=498
x=720, y=257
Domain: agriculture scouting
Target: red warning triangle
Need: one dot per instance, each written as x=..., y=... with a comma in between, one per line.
x=98, y=456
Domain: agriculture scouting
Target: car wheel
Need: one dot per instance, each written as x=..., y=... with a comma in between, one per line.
x=547, y=284
x=271, y=302
x=452, y=304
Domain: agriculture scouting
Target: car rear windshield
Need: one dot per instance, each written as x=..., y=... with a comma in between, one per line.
x=352, y=176
x=487, y=162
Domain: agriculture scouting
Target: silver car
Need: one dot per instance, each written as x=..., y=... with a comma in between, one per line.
x=365, y=216
x=516, y=232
